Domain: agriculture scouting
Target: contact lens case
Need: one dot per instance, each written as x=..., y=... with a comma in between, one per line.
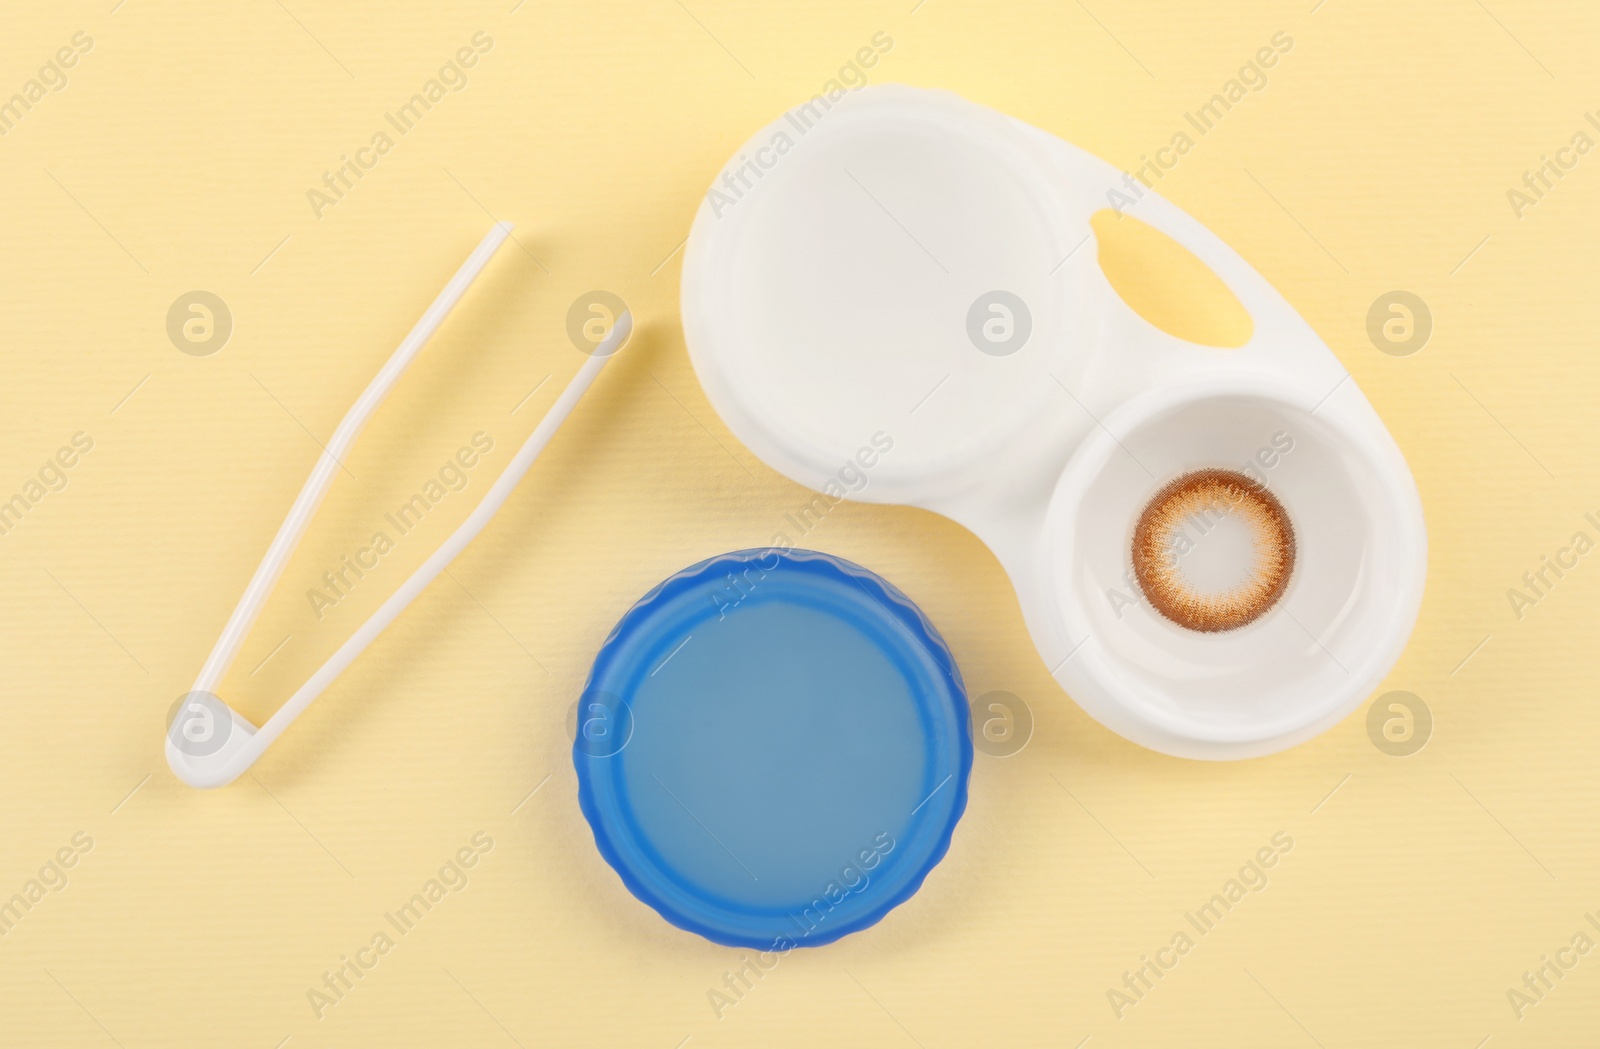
x=1218, y=552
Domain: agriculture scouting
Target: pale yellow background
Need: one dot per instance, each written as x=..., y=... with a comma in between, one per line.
x=179, y=157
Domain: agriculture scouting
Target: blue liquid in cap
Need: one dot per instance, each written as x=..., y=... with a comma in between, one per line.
x=773, y=746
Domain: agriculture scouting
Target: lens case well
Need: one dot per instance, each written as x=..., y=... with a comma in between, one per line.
x=773, y=748
x=905, y=263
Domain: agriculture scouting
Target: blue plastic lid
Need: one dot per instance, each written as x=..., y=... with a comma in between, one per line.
x=773, y=748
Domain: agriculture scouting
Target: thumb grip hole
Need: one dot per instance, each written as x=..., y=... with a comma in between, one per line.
x=1163, y=282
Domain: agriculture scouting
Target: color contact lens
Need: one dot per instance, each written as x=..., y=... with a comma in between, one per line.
x=1213, y=550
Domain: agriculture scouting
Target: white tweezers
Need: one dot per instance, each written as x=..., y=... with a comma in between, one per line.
x=208, y=743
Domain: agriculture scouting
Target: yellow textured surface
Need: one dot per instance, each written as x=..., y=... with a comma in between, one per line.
x=178, y=156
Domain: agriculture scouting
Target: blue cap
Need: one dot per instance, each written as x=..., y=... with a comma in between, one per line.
x=773, y=748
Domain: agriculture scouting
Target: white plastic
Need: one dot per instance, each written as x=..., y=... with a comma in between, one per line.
x=827, y=284
x=241, y=743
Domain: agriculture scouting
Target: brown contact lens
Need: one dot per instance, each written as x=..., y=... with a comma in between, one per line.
x=1175, y=526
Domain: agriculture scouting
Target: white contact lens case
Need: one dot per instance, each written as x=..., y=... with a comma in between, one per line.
x=835, y=287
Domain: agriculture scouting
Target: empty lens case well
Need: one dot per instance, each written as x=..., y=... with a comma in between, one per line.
x=919, y=266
